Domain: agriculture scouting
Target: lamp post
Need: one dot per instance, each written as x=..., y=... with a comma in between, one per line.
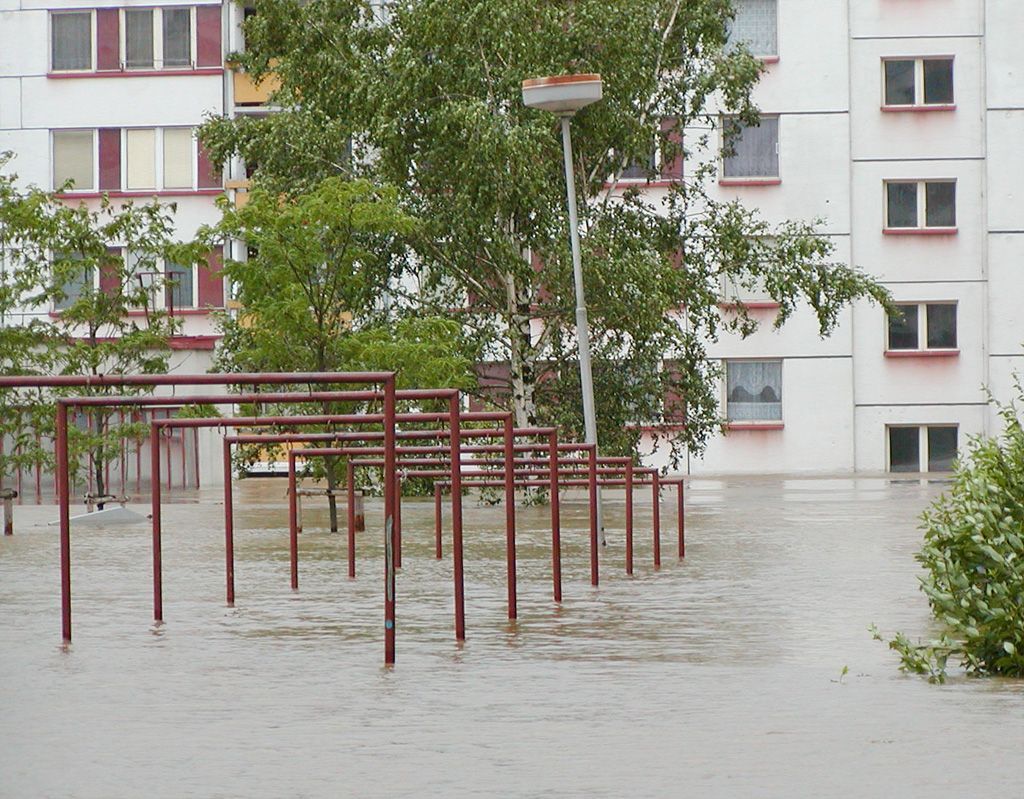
x=564, y=95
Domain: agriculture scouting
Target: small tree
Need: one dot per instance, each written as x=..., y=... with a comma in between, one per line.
x=315, y=294
x=76, y=305
x=973, y=556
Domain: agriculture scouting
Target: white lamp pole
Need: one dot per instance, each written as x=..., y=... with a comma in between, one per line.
x=564, y=95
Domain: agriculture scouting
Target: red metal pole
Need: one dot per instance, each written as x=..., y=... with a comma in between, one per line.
x=398, y=521
x=293, y=522
x=438, y=518
x=390, y=477
x=455, y=443
x=64, y=500
x=629, y=517
x=656, y=513
x=556, y=531
x=681, y=518
x=158, y=588
x=592, y=484
x=351, y=489
x=510, y=518
x=229, y=527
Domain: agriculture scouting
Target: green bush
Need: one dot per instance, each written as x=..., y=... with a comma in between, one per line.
x=974, y=558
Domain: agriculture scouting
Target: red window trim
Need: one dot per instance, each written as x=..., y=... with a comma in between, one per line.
x=136, y=73
x=919, y=231
x=758, y=426
x=767, y=59
x=749, y=181
x=93, y=195
x=758, y=305
x=629, y=183
x=919, y=108
x=656, y=428
x=927, y=353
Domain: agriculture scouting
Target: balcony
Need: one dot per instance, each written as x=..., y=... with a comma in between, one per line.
x=250, y=94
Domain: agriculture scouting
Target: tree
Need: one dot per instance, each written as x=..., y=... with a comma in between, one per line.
x=972, y=555
x=431, y=103
x=67, y=296
x=314, y=294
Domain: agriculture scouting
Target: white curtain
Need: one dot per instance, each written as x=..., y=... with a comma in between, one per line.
x=754, y=390
x=755, y=149
x=72, y=41
x=755, y=25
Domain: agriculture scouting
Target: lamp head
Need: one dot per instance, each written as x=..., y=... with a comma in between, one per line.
x=562, y=94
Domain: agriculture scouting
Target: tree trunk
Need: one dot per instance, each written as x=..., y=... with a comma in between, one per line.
x=332, y=485
x=98, y=462
x=522, y=355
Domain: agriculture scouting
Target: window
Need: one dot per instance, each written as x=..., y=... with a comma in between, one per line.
x=918, y=81
x=71, y=41
x=73, y=159
x=923, y=326
x=925, y=448
x=750, y=151
x=79, y=282
x=920, y=204
x=749, y=289
x=755, y=26
x=158, y=38
x=178, y=286
x=664, y=159
x=174, y=169
x=753, y=391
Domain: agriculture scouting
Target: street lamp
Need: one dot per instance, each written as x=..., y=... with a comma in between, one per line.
x=564, y=95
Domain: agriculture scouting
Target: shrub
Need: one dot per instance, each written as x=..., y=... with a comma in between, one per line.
x=973, y=555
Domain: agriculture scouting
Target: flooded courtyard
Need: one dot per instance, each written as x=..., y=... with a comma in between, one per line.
x=744, y=671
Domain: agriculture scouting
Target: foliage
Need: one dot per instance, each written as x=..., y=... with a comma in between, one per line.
x=973, y=555
x=56, y=321
x=431, y=103
x=315, y=296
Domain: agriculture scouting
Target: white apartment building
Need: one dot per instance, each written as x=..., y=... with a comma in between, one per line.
x=897, y=122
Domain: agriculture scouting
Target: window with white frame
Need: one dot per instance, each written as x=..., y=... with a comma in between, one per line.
x=70, y=41
x=74, y=159
x=750, y=151
x=921, y=448
x=920, y=203
x=917, y=81
x=753, y=391
x=177, y=282
x=755, y=25
x=159, y=158
x=158, y=38
x=178, y=286
x=923, y=326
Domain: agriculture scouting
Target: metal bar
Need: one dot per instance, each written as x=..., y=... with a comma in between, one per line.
x=219, y=379
x=629, y=517
x=293, y=523
x=681, y=520
x=63, y=500
x=438, y=514
x=556, y=531
x=398, y=521
x=594, y=517
x=229, y=526
x=510, y=518
x=154, y=465
x=390, y=475
x=350, y=487
x=455, y=442
x=656, y=490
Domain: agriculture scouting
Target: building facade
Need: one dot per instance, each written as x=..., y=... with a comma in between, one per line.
x=899, y=126
x=896, y=123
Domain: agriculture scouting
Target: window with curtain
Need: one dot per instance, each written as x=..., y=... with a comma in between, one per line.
x=178, y=148
x=138, y=38
x=751, y=151
x=178, y=288
x=753, y=391
x=71, y=41
x=140, y=158
x=755, y=25
x=73, y=159
x=177, y=37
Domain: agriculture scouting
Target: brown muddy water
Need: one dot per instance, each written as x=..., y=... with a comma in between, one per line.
x=719, y=676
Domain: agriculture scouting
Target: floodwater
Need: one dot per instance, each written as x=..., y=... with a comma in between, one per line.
x=718, y=676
